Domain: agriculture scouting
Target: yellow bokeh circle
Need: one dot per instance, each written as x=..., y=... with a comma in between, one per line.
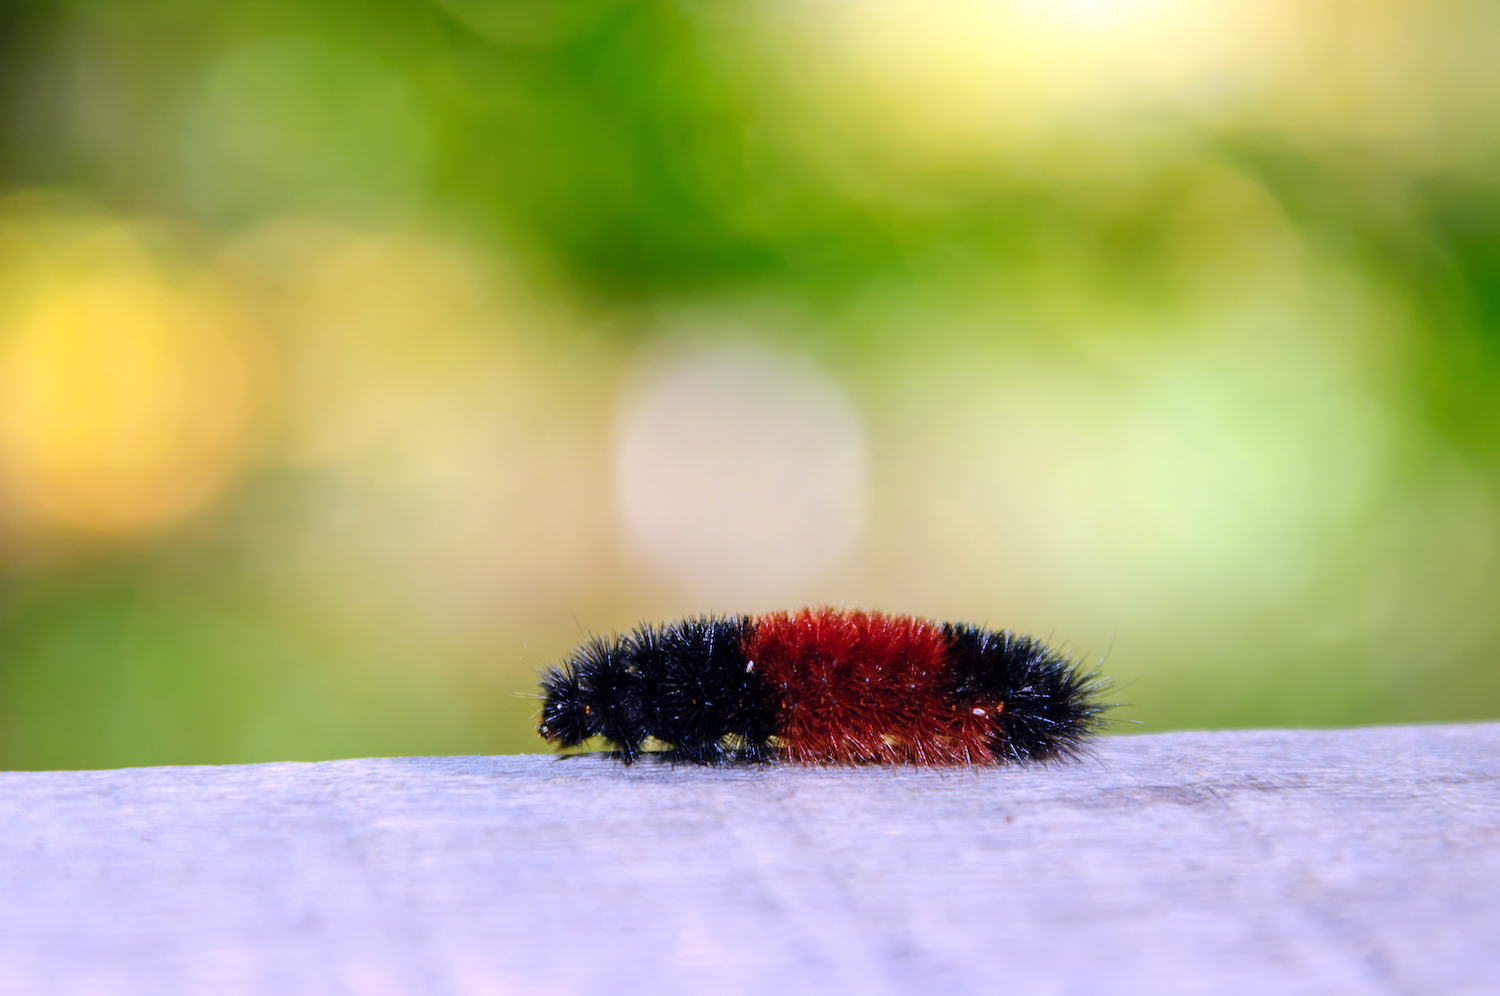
x=128, y=389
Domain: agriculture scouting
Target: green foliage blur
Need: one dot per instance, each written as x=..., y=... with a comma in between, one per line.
x=330, y=336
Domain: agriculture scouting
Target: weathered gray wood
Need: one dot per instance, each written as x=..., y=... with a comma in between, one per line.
x=1266, y=861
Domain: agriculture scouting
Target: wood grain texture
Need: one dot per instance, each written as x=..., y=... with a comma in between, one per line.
x=1343, y=861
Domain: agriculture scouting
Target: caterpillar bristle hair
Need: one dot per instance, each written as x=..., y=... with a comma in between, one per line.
x=824, y=686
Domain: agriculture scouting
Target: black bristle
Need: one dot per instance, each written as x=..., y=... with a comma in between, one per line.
x=563, y=719
x=1050, y=706
x=685, y=683
x=707, y=705
x=597, y=693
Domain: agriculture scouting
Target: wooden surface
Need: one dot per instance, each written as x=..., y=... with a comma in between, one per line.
x=1267, y=861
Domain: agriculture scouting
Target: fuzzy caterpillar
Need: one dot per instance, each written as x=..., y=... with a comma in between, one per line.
x=824, y=686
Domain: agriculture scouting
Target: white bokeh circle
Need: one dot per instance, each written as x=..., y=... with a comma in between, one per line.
x=740, y=472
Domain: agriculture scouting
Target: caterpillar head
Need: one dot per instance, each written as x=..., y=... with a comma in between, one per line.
x=568, y=719
x=597, y=693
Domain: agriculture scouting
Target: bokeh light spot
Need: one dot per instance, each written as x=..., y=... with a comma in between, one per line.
x=126, y=397
x=742, y=473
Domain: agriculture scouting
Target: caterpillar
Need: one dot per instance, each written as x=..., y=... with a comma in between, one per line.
x=823, y=686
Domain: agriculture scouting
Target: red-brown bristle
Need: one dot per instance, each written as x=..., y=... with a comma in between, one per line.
x=862, y=686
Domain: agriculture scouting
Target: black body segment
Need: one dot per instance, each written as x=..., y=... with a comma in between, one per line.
x=705, y=702
x=1049, y=706
x=684, y=683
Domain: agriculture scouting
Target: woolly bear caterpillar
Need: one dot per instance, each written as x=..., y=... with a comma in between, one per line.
x=824, y=686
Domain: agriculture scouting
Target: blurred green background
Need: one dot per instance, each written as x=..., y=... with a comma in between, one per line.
x=358, y=358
